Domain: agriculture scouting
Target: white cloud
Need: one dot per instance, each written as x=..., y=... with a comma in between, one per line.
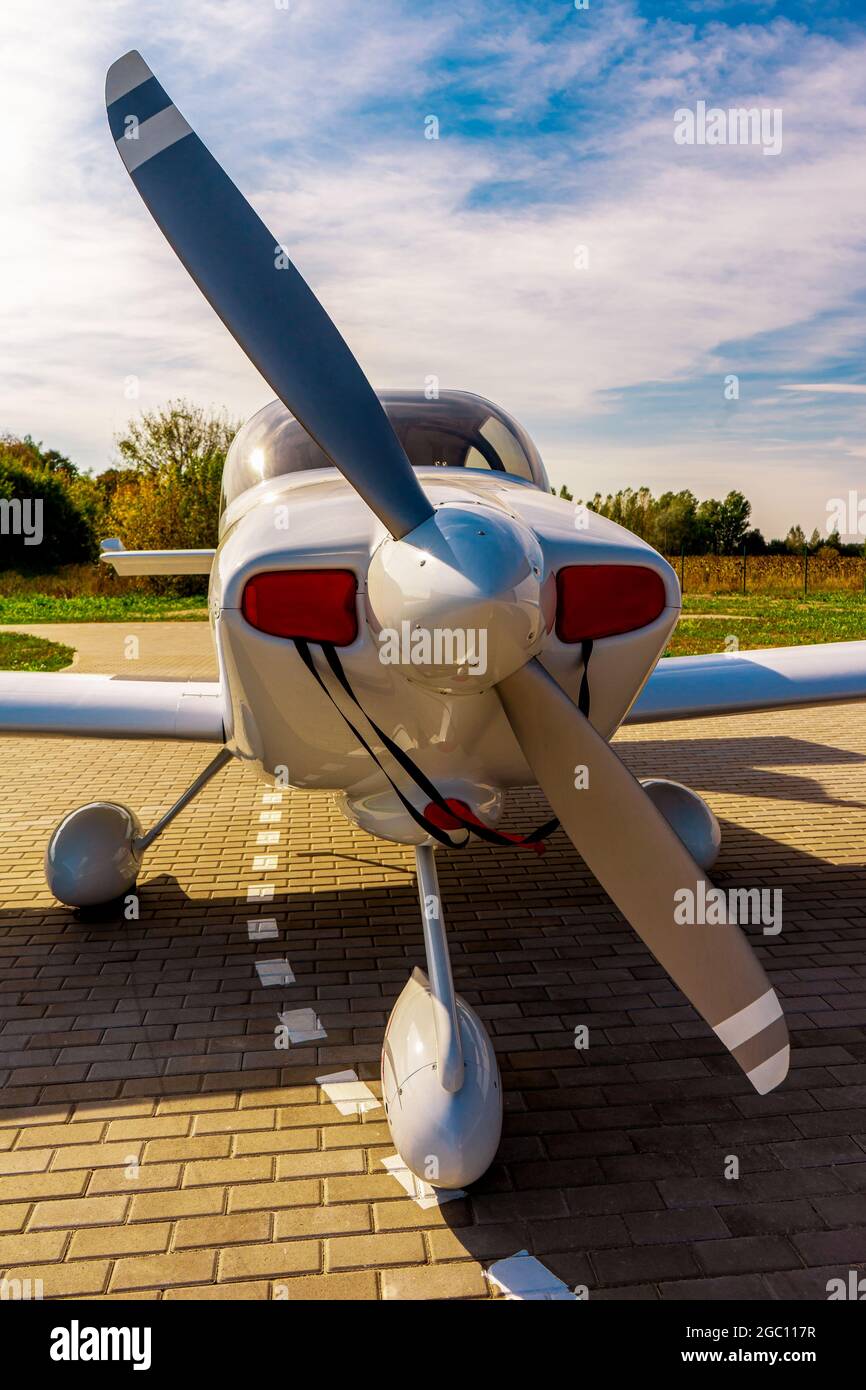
x=838, y=388
x=702, y=261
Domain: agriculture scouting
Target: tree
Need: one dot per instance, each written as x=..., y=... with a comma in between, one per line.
x=674, y=522
x=167, y=497
x=796, y=540
x=41, y=526
x=677, y=521
x=631, y=507
x=169, y=508
x=829, y=545
x=755, y=543
x=33, y=456
x=722, y=526
x=176, y=436
x=733, y=523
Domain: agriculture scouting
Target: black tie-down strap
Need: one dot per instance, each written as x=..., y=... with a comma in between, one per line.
x=583, y=697
x=449, y=809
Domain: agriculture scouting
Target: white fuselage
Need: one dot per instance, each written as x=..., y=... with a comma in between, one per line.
x=280, y=720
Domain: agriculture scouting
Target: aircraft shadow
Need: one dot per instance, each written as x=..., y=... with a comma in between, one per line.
x=753, y=766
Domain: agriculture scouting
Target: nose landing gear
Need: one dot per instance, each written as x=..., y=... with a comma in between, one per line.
x=440, y=1078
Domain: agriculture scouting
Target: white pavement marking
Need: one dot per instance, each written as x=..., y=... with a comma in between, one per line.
x=350, y=1095
x=304, y=1025
x=271, y=798
x=263, y=862
x=259, y=892
x=268, y=837
x=275, y=972
x=270, y=817
x=422, y=1193
x=523, y=1277
x=262, y=928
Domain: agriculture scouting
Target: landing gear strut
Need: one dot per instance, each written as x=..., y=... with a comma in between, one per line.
x=94, y=854
x=440, y=1079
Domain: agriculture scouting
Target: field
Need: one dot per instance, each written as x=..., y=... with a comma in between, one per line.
x=710, y=622
x=770, y=574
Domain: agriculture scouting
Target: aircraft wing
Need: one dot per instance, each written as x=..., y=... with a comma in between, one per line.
x=691, y=687
x=81, y=706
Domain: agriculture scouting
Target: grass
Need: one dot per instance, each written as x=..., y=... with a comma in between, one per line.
x=710, y=621
x=21, y=652
x=100, y=608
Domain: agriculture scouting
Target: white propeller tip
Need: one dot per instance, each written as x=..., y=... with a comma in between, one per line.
x=770, y=1074
x=125, y=75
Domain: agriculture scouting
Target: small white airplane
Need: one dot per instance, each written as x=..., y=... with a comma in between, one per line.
x=405, y=616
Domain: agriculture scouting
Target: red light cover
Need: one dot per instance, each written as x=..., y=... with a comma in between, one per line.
x=602, y=600
x=316, y=605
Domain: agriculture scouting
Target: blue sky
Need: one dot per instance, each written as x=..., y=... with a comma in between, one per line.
x=457, y=257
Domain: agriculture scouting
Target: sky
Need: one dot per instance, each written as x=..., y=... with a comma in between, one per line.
x=654, y=310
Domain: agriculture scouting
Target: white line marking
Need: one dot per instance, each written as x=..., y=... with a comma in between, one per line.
x=304, y=1025
x=262, y=928
x=271, y=798
x=350, y=1095
x=270, y=817
x=268, y=837
x=263, y=862
x=523, y=1277
x=422, y=1193
x=274, y=972
x=259, y=892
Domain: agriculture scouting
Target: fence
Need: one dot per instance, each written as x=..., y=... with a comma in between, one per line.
x=770, y=574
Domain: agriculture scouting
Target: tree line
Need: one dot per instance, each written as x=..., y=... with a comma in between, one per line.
x=678, y=523
x=162, y=492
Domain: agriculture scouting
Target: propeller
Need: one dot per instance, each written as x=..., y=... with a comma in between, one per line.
x=268, y=308
x=642, y=864
x=277, y=320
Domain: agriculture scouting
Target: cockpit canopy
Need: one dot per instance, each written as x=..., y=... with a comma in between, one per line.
x=456, y=430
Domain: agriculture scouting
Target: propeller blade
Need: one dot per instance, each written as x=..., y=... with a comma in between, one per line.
x=268, y=308
x=642, y=864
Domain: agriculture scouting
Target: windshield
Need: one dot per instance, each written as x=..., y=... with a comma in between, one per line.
x=456, y=430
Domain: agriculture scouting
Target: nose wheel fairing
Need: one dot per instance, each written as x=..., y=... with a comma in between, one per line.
x=440, y=1078
x=446, y=1138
